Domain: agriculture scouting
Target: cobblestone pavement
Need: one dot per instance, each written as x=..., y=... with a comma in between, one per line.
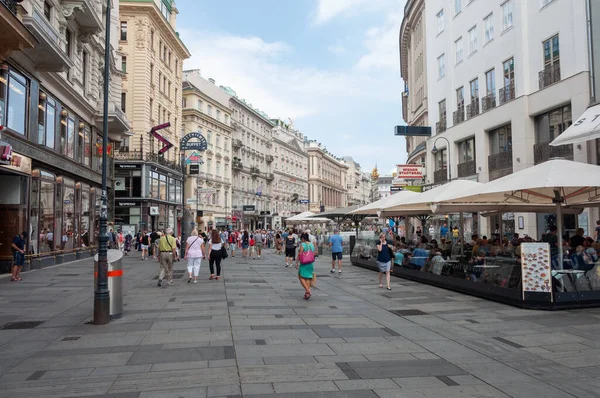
x=251, y=334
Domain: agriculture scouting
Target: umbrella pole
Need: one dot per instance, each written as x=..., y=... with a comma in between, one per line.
x=559, y=226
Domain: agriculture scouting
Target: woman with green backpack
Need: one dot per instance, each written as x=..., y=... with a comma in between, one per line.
x=305, y=264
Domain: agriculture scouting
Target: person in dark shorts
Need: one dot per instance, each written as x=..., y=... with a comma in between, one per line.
x=336, y=242
x=18, y=250
x=290, y=250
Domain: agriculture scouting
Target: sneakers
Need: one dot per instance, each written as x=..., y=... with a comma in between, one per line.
x=160, y=282
x=340, y=272
x=189, y=280
x=195, y=281
x=171, y=282
x=332, y=271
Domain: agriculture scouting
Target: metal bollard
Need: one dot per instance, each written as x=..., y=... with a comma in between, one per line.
x=115, y=281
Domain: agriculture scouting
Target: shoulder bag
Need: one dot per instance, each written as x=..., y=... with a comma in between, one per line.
x=307, y=256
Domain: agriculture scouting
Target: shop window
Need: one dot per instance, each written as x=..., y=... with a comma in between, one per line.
x=172, y=194
x=162, y=188
x=46, y=120
x=154, y=185
x=87, y=151
x=98, y=148
x=550, y=125
x=501, y=139
x=69, y=229
x=42, y=212
x=85, y=216
x=80, y=142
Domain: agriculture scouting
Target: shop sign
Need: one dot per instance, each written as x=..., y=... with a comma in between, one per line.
x=409, y=171
x=396, y=189
x=194, y=169
x=19, y=163
x=249, y=208
x=191, y=201
x=413, y=188
x=127, y=203
x=199, y=145
x=128, y=166
x=154, y=210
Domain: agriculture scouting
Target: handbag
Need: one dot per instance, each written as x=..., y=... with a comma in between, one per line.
x=307, y=256
x=224, y=253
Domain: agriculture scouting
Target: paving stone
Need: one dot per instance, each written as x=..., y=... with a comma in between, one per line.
x=120, y=370
x=414, y=368
x=304, y=387
x=288, y=360
x=73, y=362
x=322, y=394
x=222, y=391
x=371, y=384
x=283, y=350
x=259, y=388
x=199, y=392
x=181, y=355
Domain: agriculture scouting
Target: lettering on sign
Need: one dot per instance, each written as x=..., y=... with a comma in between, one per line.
x=409, y=171
x=199, y=145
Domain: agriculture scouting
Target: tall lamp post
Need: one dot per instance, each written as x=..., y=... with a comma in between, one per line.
x=102, y=294
x=434, y=151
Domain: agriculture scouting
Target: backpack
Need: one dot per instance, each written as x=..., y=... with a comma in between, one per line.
x=252, y=242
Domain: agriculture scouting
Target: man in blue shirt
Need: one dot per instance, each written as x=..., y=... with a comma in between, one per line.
x=444, y=231
x=335, y=242
x=18, y=249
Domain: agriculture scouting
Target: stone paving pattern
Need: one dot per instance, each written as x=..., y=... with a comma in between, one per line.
x=252, y=335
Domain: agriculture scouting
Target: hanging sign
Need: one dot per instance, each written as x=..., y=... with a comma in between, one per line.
x=166, y=144
x=199, y=145
x=194, y=158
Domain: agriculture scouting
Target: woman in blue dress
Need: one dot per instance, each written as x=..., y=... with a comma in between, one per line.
x=305, y=271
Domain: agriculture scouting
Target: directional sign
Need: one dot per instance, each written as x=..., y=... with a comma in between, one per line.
x=304, y=201
x=199, y=145
x=166, y=144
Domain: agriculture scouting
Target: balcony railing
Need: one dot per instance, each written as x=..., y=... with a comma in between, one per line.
x=473, y=108
x=549, y=76
x=488, y=102
x=440, y=175
x=507, y=93
x=135, y=153
x=11, y=5
x=237, y=165
x=543, y=152
x=458, y=116
x=440, y=126
x=467, y=169
x=500, y=164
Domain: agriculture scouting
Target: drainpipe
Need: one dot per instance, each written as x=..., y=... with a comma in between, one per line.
x=588, y=11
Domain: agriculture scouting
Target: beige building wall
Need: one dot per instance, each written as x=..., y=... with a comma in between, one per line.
x=206, y=114
x=326, y=179
x=152, y=56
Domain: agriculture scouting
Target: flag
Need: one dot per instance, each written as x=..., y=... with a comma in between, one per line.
x=259, y=191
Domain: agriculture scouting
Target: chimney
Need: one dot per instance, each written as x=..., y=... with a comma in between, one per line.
x=211, y=80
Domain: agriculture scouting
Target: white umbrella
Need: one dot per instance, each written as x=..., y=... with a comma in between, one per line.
x=556, y=182
x=373, y=208
x=301, y=216
x=587, y=127
x=306, y=218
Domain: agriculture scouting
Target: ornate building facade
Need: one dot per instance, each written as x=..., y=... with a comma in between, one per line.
x=327, y=188
x=151, y=58
x=358, y=183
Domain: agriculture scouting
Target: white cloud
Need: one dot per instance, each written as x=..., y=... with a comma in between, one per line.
x=330, y=9
x=382, y=44
x=337, y=49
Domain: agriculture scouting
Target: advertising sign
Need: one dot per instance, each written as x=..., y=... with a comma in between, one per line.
x=415, y=188
x=409, y=171
x=536, y=267
x=199, y=145
x=19, y=163
x=249, y=208
x=194, y=169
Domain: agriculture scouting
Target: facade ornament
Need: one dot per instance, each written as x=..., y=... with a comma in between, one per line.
x=141, y=33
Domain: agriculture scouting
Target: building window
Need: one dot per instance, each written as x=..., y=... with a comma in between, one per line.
x=47, y=10
x=490, y=81
x=442, y=109
x=441, y=66
x=123, y=31
x=218, y=115
x=87, y=150
x=165, y=10
x=441, y=159
x=184, y=102
x=151, y=106
x=152, y=74
x=550, y=125
x=551, y=51
x=489, y=27
x=14, y=94
x=509, y=72
x=457, y=6
x=458, y=47
x=501, y=139
x=124, y=64
x=474, y=89
x=507, y=14
x=68, y=44
x=46, y=120
x=209, y=110
x=85, y=67
x=440, y=21
x=472, y=39
x=466, y=150
x=152, y=39
x=199, y=105
x=460, y=97
x=123, y=101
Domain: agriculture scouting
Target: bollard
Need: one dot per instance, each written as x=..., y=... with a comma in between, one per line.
x=115, y=281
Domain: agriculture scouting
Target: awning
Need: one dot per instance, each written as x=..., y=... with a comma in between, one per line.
x=587, y=127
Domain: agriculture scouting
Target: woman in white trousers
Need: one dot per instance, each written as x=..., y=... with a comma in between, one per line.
x=194, y=253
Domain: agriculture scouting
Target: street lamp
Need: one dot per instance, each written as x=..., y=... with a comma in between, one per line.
x=101, y=293
x=434, y=151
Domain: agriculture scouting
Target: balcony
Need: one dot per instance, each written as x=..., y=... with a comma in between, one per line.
x=500, y=164
x=236, y=144
x=488, y=102
x=440, y=126
x=254, y=171
x=473, y=108
x=270, y=176
x=237, y=165
x=458, y=116
x=118, y=124
x=507, y=93
x=549, y=76
x=136, y=153
x=543, y=152
x=86, y=13
x=440, y=175
x=270, y=158
x=15, y=36
x=48, y=55
x=467, y=169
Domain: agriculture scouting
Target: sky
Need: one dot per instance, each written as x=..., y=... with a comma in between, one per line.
x=331, y=66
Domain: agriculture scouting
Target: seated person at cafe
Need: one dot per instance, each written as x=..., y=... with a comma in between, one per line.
x=398, y=257
x=496, y=249
x=577, y=239
x=419, y=259
x=515, y=240
x=552, y=239
x=437, y=264
x=473, y=241
x=446, y=247
x=474, y=272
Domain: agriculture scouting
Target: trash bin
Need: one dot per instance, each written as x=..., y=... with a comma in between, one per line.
x=115, y=281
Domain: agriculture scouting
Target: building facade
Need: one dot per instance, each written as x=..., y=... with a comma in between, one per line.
x=51, y=96
x=509, y=78
x=384, y=186
x=150, y=192
x=327, y=188
x=251, y=164
x=290, y=167
x=209, y=188
x=413, y=69
x=358, y=183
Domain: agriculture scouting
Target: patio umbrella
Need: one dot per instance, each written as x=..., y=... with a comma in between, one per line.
x=307, y=218
x=373, y=208
x=557, y=182
x=587, y=127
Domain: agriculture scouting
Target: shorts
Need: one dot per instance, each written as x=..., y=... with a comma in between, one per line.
x=259, y=245
x=144, y=247
x=290, y=252
x=244, y=245
x=336, y=256
x=384, y=267
x=18, y=259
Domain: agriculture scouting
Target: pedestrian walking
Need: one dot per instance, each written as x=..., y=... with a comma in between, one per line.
x=214, y=254
x=336, y=244
x=155, y=247
x=121, y=240
x=259, y=241
x=305, y=264
x=384, y=260
x=252, y=243
x=127, y=245
x=144, y=243
x=194, y=253
x=245, y=244
x=232, y=243
x=167, y=246
x=18, y=249
x=153, y=238
x=278, y=245
x=290, y=250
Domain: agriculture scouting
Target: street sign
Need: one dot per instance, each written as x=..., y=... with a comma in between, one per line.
x=396, y=189
x=304, y=201
x=191, y=201
x=204, y=190
x=199, y=145
x=194, y=169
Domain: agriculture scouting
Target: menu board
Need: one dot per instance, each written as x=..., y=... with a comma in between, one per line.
x=536, y=267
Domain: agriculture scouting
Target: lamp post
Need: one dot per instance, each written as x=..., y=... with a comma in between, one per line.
x=434, y=151
x=101, y=293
